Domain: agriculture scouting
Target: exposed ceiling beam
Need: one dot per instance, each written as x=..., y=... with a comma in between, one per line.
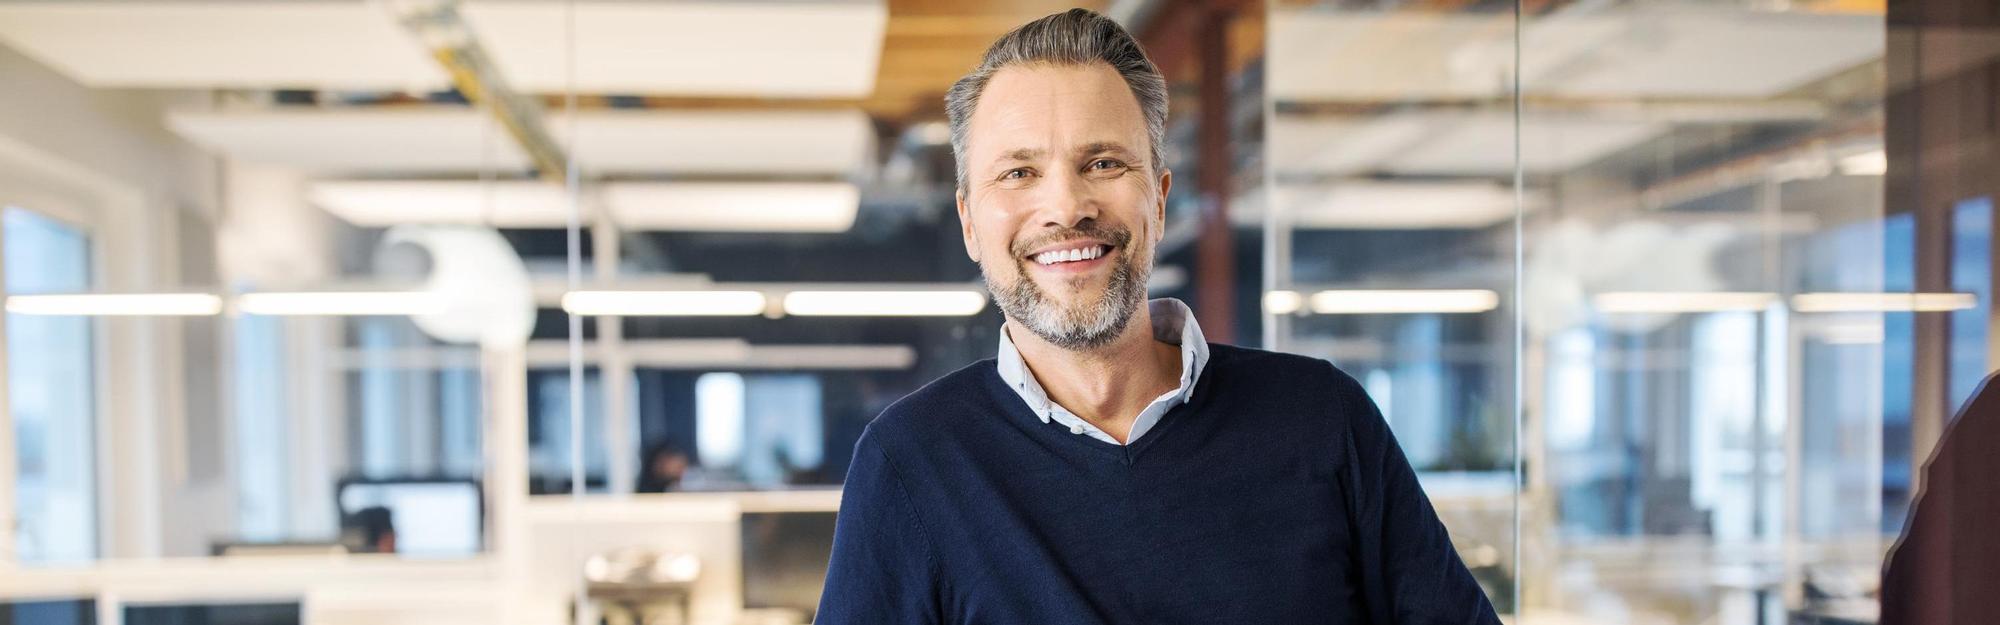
x=438, y=25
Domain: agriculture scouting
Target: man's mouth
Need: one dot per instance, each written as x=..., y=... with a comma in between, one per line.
x=1071, y=254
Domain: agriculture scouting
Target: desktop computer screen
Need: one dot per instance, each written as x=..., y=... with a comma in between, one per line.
x=214, y=614
x=431, y=518
x=49, y=612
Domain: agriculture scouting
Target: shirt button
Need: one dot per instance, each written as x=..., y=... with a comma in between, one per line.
x=1076, y=428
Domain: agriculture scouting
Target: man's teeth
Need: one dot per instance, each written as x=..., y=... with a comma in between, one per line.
x=1070, y=255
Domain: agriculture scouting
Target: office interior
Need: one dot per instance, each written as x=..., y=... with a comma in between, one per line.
x=570, y=311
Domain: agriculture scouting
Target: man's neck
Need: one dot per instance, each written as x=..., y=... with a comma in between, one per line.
x=1107, y=386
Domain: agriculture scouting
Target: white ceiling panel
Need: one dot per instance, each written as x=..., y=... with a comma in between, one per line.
x=644, y=206
x=1327, y=55
x=1483, y=144
x=1343, y=145
x=1622, y=51
x=722, y=142
x=377, y=140
x=502, y=204
x=349, y=44
x=1447, y=143
x=1377, y=205
x=762, y=49
x=447, y=140
x=1683, y=52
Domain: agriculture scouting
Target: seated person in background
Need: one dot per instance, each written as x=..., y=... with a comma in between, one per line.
x=369, y=530
x=662, y=467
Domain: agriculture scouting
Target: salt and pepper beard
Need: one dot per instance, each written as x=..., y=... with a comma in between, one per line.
x=1081, y=326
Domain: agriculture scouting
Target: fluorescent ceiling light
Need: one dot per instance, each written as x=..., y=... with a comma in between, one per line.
x=1870, y=163
x=734, y=206
x=333, y=303
x=1695, y=302
x=117, y=304
x=885, y=303
x=1883, y=302
x=1283, y=302
x=664, y=303
x=1359, y=302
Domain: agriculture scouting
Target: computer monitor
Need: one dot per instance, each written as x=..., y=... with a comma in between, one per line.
x=49, y=612
x=435, y=518
x=214, y=614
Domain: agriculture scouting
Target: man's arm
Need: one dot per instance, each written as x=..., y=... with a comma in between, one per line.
x=1409, y=572
x=883, y=569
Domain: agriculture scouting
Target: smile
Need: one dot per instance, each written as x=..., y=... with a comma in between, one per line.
x=1080, y=253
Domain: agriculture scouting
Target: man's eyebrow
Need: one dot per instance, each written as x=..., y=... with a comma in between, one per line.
x=1103, y=147
x=1019, y=154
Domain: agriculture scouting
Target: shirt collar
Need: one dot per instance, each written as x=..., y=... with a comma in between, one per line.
x=1173, y=323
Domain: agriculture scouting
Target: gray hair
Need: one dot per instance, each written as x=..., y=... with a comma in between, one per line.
x=1073, y=37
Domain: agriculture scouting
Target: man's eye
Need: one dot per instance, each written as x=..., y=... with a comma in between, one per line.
x=1014, y=174
x=1105, y=163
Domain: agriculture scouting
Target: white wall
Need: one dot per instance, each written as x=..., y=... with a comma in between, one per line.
x=104, y=155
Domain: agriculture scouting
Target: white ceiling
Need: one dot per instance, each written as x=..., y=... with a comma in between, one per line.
x=1374, y=205
x=1446, y=143
x=639, y=206
x=305, y=44
x=771, y=49
x=410, y=140
x=1630, y=50
x=457, y=140
x=757, y=49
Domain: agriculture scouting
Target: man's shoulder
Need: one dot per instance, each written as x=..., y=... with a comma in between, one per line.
x=1249, y=365
x=1304, y=391
x=928, y=411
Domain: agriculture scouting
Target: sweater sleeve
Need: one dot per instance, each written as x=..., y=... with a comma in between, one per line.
x=883, y=569
x=1409, y=572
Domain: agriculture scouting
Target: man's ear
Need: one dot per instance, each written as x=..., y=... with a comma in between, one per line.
x=1160, y=207
x=965, y=227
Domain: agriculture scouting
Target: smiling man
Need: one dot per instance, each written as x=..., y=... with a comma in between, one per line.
x=1109, y=466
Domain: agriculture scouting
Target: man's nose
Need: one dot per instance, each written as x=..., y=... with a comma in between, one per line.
x=1067, y=201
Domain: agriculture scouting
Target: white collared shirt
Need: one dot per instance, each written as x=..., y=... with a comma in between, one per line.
x=1173, y=323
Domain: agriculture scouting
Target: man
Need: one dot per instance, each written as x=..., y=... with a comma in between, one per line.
x=1110, y=467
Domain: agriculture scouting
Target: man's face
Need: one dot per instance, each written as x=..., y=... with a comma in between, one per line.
x=1061, y=206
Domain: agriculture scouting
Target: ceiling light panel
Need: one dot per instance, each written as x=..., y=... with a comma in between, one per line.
x=758, y=49
x=404, y=140
x=733, y=206
x=304, y=44
x=776, y=143
x=381, y=203
x=459, y=140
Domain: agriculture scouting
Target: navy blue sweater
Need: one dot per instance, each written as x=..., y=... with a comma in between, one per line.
x=1275, y=496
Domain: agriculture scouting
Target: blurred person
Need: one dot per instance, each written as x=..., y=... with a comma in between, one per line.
x=1109, y=466
x=371, y=530
x=1944, y=566
x=662, y=467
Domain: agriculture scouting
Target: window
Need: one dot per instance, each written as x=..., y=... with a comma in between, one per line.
x=52, y=401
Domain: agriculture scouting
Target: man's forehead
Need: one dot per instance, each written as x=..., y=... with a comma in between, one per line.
x=1050, y=109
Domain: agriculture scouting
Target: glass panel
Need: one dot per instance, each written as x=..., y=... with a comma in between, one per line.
x=1388, y=213
x=1717, y=311
x=51, y=393
x=1971, y=272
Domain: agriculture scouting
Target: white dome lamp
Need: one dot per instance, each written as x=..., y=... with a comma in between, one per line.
x=481, y=281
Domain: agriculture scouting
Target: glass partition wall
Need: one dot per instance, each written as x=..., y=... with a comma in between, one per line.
x=1661, y=250
x=524, y=297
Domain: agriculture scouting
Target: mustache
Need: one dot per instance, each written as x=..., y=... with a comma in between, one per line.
x=1116, y=237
